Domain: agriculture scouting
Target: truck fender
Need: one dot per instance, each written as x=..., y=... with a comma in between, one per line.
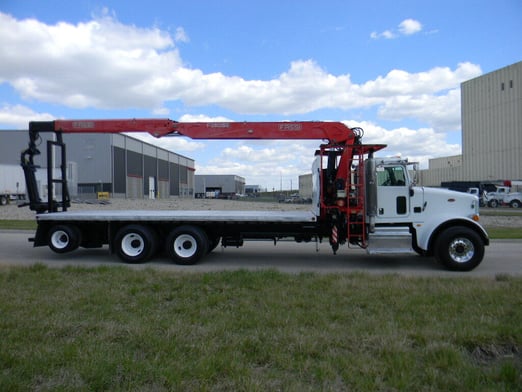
x=427, y=233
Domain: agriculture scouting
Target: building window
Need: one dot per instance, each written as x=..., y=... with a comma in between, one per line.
x=502, y=86
x=510, y=84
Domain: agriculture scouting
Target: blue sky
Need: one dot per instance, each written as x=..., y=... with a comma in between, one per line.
x=393, y=68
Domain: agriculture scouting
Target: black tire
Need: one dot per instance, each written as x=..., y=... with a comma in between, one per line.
x=63, y=238
x=515, y=204
x=135, y=243
x=4, y=200
x=185, y=245
x=493, y=203
x=459, y=249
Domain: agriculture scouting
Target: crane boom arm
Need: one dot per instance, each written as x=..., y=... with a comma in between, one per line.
x=334, y=132
x=340, y=139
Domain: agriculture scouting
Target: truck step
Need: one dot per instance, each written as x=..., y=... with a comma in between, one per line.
x=390, y=240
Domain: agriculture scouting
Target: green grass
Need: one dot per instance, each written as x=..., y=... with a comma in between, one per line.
x=18, y=224
x=501, y=211
x=513, y=233
x=120, y=329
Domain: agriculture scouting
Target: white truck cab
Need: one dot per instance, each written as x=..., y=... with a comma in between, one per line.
x=423, y=219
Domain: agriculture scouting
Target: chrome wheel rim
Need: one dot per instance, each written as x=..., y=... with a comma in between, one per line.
x=461, y=250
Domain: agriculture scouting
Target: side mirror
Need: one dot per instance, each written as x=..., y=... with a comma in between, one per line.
x=415, y=173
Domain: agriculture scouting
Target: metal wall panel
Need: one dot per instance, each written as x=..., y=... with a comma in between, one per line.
x=92, y=153
x=120, y=174
x=162, y=154
x=174, y=179
x=118, y=140
x=163, y=170
x=492, y=125
x=134, y=187
x=149, y=150
x=12, y=143
x=163, y=189
x=134, y=164
x=133, y=145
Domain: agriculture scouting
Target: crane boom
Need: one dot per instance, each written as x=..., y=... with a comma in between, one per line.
x=341, y=141
x=334, y=132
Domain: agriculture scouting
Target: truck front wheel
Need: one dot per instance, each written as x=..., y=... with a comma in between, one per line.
x=187, y=244
x=135, y=243
x=459, y=249
x=63, y=238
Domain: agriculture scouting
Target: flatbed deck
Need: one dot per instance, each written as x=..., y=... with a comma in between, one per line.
x=182, y=216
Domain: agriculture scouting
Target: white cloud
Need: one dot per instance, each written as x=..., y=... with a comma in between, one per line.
x=406, y=27
x=181, y=35
x=274, y=166
x=410, y=26
x=105, y=64
x=203, y=118
x=387, y=34
x=441, y=112
x=399, y=82
x=251, y=152
x=18, y=116
x=418, y=145
x=99, y=64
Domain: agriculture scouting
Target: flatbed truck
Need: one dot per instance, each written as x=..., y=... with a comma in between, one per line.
x=358, y=200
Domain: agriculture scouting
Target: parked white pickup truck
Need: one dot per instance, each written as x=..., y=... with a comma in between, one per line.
x=503, y=196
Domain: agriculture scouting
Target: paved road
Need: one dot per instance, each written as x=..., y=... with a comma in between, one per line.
x=502, y=257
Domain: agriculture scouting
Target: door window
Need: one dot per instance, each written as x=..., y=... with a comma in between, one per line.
x=391, y=176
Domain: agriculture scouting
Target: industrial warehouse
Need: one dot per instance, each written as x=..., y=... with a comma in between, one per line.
x=491, y=115
x=114, y=164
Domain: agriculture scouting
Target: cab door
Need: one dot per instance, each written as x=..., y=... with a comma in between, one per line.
x=393, y=199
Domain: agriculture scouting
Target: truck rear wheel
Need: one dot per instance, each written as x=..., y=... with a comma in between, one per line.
x=459, y=249
x=185, y=245
x=135, y=243
x=493, y=203
x=63, y=238
x=515, y=204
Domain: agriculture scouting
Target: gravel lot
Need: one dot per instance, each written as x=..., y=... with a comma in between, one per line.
x=13, y=212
